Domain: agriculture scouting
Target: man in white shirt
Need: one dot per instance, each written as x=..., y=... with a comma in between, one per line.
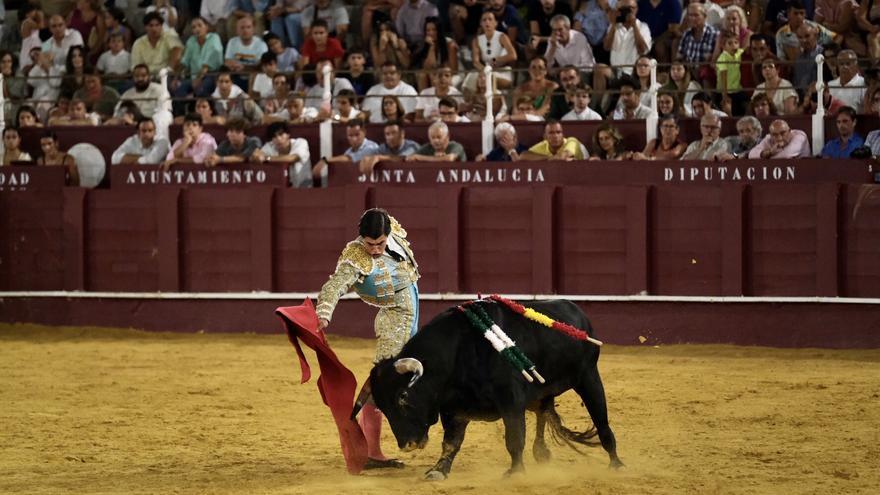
x=144, y=94
x=315, y=94
x=427, y=105
x=61, y=41
x=391, y=85
x=627, y=40
x=142, y=148
x=568, y=47
x=850, y=86
x=280, y=147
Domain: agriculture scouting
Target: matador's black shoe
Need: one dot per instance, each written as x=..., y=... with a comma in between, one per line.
x=383, y=464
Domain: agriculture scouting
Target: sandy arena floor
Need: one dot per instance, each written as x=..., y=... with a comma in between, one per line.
x=119, y=411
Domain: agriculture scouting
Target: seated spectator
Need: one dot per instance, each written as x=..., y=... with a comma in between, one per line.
x=345, y=107
x=285, y=19
x=840, y=17
x=395, y=148
x=102, y=100
x=57, y=46
x=668, y=146
x=14, y=86
x=27, y=117
x=315, y=94
x=524, y=110
x=391, y=85
x=207, y=109
x=248, y=8
x=681, y=84
x=508, y=147
x=286, y=57
x=608, y=144
x=475, y=104
x=849, y=87
x=52, y=155
x=630, y=96
x=538, y=87
x=494, y=48
x=142, y=148
x=145, y=94
x=580, y=109
x=243, y=52
x=203, y=54
x=78, y=114
x=74, y=69
x=87, y=17
x=158, y=48
x=591, y=19
x=427, y=105
x=32, y=20
x=539, y=15
x=280, y=93
x=332, y=12
x=561, y=104
x=10, y=148
x=555, y=145
x=698, y=43
x=216, y=12
x=439, y=148
x=759, y=51
x=387, y=46
x=734, y=25
x=733, y=98
x=392, y=110
x=702, y=105
x=780, y=91
x=359, y=77
x=294, y=112
x=321, y=46
x=127, y=113
x=410, y=20
x=627, y=39
x=804, y=68
x=669, y=104
x=359, y=147
x=435, y=52
x=281, y=147
x=168, y=13
x=748, y=131
x=375, y=12
x=238, y=147
x=568, y=47
x=868, y=19
x=787, y=44
x=711, y=144
x=847, y=140
x=872, y=141
x=233, y=102
x=447, y=111
x=642, y=71
x=810, y=102
x=114, y=20
x=782, y=142
x=509, y=22
x=195, y=146
x=762, y=106
x=115, y=63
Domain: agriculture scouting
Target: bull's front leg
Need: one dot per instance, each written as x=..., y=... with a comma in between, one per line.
x=453, y=436
x=515, y=439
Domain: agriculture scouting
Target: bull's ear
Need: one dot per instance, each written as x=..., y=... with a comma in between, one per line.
x=410, y=365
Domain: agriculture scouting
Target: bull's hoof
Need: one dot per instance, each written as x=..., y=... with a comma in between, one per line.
x=434, y=475
x=514, y=471
x=542, y=454
x=383, y=464
x=616, y=464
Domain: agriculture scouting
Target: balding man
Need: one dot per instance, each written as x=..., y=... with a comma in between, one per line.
x=440, y=148
x=556, y=146
x=61, y=41
x=568, y=47
x=849, y=87
x=711, y=144
x=782, y=142
x=804, y=68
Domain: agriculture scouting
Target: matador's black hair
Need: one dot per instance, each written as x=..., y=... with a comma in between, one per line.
x=375, y=223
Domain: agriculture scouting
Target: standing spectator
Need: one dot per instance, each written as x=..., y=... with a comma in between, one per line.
x=32, y=22
x=748, y=132
x=361, y=79
x=787, y=44
x=668, y=146
x=608, y=144
x=493, y=48
x=359, y=147
x=660, y=15
x=320, y=46
x=782, y=142
x=395, y=147
x=315, y=94
x=508, y=149
x=539, y=14
x=436, y=50
x=850, y=86
x=62, y=39
x=233, y=102
x=332, y=13
x=630, y=96
x=710, y=144
x=387, y=46
x=698, y=43
x=779, y=90
x=439, y=148
x=248, y=8
x=410, y=20
x=203, y=54
x=555, y=145
x=391, y=85
x=580, y=109
x=286, y=56
x=847, y=140
x=142, y=148
x=285, y=20
x=568, y=47
x=10, y=147
x=429, y=99
x=237, y=147
x=101, y=99
x=804, y=68
x=145, y=94
x=538, y=87
x=194, y=147
x=53, y=156
x=158, y=48
x=87, y=17
x=243, y=52
x=281, y=147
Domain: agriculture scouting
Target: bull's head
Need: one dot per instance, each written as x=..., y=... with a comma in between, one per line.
x=409, y=407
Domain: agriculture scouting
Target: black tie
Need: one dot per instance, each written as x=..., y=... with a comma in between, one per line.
x=398, y=258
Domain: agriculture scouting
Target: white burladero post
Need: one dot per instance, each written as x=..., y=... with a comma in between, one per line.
x=163, y=117
x=488, y=124
x=819, y=116
x=651, y=121
x=325, y=128
x=2, y=106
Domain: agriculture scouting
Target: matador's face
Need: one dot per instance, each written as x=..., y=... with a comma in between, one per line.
x=375, y=246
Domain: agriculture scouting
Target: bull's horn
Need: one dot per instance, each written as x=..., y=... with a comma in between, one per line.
x=362, y=398
x=410, y=365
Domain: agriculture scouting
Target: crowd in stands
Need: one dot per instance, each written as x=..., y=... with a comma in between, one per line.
x=247, y=63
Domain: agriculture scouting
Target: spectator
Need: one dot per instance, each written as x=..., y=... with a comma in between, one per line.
x=194, y=147
x=524, y=109
x=359, y=147
x=329, y=11
x=804, y=68
x=787, y=44
x=62, y=39
x=782, y=142
x=391, y=85
x=591, y=19
x=555, y=145
x=447, y=111
x=630, y=96
x=429, y=99
x=580, y=109
x=392, y=111
x=439, y=148
x=736, y=25
x=698, y=43
x=561, y=104
x=207, y=109
x=315, y=94
x=14, y=86
x=346, y=107
x=627, y=39
x=158, y=48
x=237, y=147
x=661, y=16
x=538, y=87
x=395, y=148
x=668, y=146
x=127, y=113
x=53, y=156
x=493, y=48
x=285, y=18
x=410, y=20
x=374, y=12
x=840, y=17
x=509, y=21
x=32, y=21
x=762, y=106
x=868, y=20
x=475, y=102
x=101, y=99
x=233, y=102
x=115, y=62
x=669, y=104
x=435, y=51
x=714, y=13
x=702, y=105
x=244, y=8
x=360, y=78
x=45, y=78
x=294, y=112
x=873, y=139
x=711, y=144
x=281, y=147
x=508, y=149
x=750, y=70
x=286, y=57
x=849, y=87
x=114, y=19
x=243, y=51
x=539, y=14
x=261, y=84
x=733, y=98
x=280, y=93
x=168, y=13
x=216, y=12
x=810, y=102
x=464, y=19
x=74, y=70
x=203, y=54
x=780, y=91
x=847, y=140
x=320, y=46
x=681, y=84
x=608, y=144
x=27, y=117
x=748, y=131
x=144, y=93
x=142, y=148
x=568, y=47
x=642, y=71
x=10, y=148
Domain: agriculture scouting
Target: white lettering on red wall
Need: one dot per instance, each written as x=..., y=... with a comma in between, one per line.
x=14, y=180
x=196, y=177
x=455, y=176
x=715, y=173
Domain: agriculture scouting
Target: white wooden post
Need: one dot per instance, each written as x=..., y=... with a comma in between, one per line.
x=488, y=124
x=325, y=128
x=2, y=106
x=651, y=121
x=819, y=116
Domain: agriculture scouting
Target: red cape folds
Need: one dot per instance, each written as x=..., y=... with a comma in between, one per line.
x=336, y=383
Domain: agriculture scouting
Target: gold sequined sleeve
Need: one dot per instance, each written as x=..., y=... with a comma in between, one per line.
x=339, y=284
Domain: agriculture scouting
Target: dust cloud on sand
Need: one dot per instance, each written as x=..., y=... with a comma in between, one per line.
x=120, y=411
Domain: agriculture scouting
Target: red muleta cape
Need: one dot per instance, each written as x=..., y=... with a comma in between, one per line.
x=337, y=383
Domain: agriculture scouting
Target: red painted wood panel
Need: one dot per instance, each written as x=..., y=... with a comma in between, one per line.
x=860, y=247
x=33, y=257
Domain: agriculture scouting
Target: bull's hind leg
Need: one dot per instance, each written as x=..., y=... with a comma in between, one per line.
x=453, y=436
x=515, y=439
x=539, y=448
x=593, y=394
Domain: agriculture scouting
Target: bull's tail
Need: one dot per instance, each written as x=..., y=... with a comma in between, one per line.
x=564, y=436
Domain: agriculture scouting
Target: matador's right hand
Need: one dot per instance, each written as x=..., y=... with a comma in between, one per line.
x=322, y=323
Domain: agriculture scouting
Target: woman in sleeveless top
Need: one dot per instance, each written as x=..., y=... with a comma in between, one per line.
x=494, y=48
x=868, y=19
x=85, y=18
x=53, y=156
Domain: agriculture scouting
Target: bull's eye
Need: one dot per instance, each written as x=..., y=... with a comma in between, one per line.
x=403, y=401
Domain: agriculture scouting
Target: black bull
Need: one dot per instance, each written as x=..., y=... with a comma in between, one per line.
x=448, y=370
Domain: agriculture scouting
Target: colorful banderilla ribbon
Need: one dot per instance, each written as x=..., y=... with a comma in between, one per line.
x=499, y=340
x=545, y=320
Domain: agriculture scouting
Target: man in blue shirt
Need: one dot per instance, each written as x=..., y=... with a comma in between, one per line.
x=848, y=140
x=359, y=147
